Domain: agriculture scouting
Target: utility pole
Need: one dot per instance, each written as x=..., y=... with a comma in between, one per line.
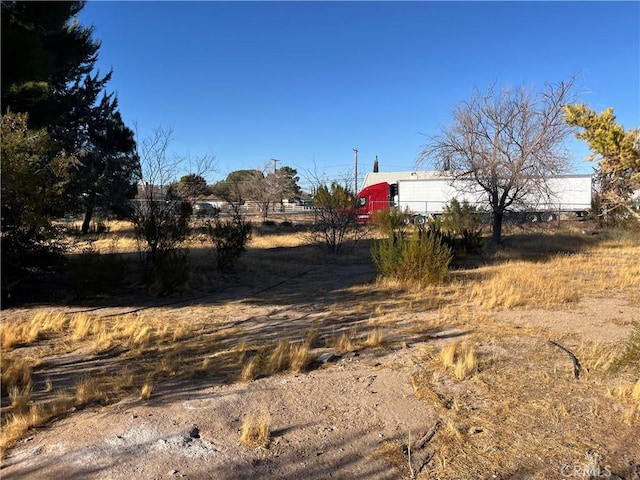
x=279, y=184
x=275, y=164
x=355, y=151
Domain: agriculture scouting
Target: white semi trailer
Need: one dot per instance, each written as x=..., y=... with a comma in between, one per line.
x=425, y=197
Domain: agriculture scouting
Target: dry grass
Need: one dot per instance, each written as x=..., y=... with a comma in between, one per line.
x=502, y=417
x=89, y=389
x=271, y=360
x=147, y=390
x=16, y=372
x=25, y=331
x=256, y=430
x=250, y=370
x=494, y=416
x=560, y=279
x=629, y=394
x=20, y=397
x=273, y=241
x=393, y=451
x=460, y=359
x=375, y=339
x=448, y=355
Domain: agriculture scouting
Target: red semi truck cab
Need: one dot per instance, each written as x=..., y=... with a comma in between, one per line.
x=372, y=199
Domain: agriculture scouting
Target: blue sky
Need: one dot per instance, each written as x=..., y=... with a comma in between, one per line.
x=306, y=82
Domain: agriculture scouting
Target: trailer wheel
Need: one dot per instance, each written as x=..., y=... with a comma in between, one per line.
x=419, y=220
x=533, y=218
x=548, y=217
x=405, y=221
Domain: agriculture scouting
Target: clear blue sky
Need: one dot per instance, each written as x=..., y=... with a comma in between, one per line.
x=306, y=82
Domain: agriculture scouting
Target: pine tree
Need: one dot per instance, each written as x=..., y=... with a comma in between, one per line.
x=616, y=151
x=47, y=64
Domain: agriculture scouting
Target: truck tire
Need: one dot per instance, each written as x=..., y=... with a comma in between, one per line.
x=548, y=217
x=419, y=220
x=533, y=217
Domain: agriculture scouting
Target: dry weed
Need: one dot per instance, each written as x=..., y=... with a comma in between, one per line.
x=250, y=370
x=279, y=358
x=448, y=354
x=466, y=363
x=17, y=424
x=15, y=372
x=20, y=397
x=256, y=430
x=147, y=390
x=81, y=325
x=559, y=280
x=375, y=339
x=89, y=389
x=299, y=358
x=171, y=362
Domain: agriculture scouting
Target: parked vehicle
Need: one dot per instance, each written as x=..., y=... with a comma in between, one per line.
x=205, y=209
x=421, y=198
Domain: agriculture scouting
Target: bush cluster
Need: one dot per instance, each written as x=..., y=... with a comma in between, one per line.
x=420, y=256
x=229, y=239
x=423, y=253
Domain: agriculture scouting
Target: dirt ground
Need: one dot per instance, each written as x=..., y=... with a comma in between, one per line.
x=333, y=421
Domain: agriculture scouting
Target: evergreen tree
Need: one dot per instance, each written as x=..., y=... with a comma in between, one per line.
x=290, y=188
x=43, y=52
x=47, y=64
x=617, y=152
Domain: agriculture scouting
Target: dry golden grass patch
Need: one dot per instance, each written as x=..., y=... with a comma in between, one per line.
x=16, y=372
x=300, y=358
x=394, y=452
x=256, y=429
x=15, y=426
x=146, y=391
x=89, y=389
x=135, y=337
x=272, y=241
x=561, y=279
x=629, y=393
x=374, y=339
x=20, y=397
x=460, y=358
x=523, y=411
x=273, y=359
x=24, y=331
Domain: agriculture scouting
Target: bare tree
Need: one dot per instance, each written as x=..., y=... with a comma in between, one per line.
x=161, y=218
x=507, y=144
x=335, y=226
x=266, y=188
x=259, y=188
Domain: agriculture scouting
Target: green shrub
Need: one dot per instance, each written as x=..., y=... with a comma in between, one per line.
x=420, y=256
x=461, y=228
x=388, y=221
x=229, y=240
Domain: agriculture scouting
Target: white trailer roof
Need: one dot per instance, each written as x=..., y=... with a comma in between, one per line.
x=371, y=178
